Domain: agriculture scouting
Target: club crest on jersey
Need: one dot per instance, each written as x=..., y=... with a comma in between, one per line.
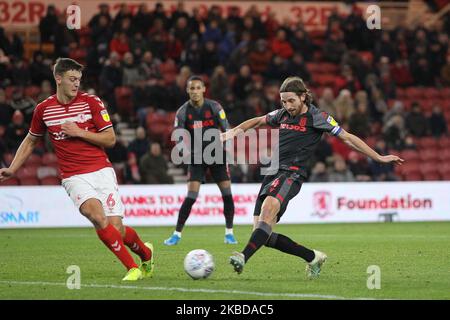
x=222, y=114
x=105, y=115
x=207, y=114
x=81, y=118
x=331, y=121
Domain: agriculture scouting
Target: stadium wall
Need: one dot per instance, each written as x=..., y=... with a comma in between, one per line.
x=28, y=13
x=158, y=205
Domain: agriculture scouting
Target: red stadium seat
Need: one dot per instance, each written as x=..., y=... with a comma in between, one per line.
x=429, y=155
x=444, y=168
x=444, y=155
x=431, y=93
x=124, y=101
x=401, y=93
x=27, y=172
x=414, y=92
x=33, y=160
x=29, y=182
x=10, y=182
x=432, y=176
x=410, y=155
x=413, y=176
x=445, y=93
x=446, y=176
x=9, y=91
x=328, y=68
x=409, y=170
x=8, y=158
x=50, y=181
x=49, y=159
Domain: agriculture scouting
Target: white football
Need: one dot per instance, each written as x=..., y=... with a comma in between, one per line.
x=199, y=264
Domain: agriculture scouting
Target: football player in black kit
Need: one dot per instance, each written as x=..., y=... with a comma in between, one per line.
x=200, y=114
x=301, y=125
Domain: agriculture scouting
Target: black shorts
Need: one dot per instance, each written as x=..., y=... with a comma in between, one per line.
x=284, y=185
x=219, y=172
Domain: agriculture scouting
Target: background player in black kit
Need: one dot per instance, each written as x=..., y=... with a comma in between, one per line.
x=301, y=126
x=202, y=114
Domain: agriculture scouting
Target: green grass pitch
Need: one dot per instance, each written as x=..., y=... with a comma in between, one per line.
x=414, y=260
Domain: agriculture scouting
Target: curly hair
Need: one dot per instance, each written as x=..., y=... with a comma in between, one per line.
x=296, y=85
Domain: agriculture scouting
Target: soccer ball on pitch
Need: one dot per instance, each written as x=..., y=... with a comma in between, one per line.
x=199, y=264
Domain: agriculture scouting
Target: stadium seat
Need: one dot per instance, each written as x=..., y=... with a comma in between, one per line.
x=33, y=160
x=409, y=170
x=444, y=168
x=414, y=92
x=401, y=93
x=328, y=68
x=413, y=176
x=124, y=101
x=49, y=159
x=50, y=181
x=10, y=182
x=429, y=155
x=8, y=158
x=444, y=145
x=27, y=172
x=410, y=155
x=444, y=93
x=432, y=176
x=29, y=182
x=431, y=93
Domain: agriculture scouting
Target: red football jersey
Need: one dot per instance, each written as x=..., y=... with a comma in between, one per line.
x=75, y=156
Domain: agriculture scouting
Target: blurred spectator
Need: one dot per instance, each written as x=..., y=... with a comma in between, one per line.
x=11, y=44
x=103, y=14
x=394, y=132
x=138, y=45
x=66, y=40
x=153, y=166
x=16, y=131
x=191, y=56
x=130, y=74
x=401, y=73
x=209, y=57
x=385, y=47
x=142, y=20
x=382, y=172
x=359, y=167
x=278, y=69
x=327, y=102
x=409, y=143
x=445, y=72
x=6, y=111
x=437, y=123
x=359, y=123
x=260, y=58
x=416, y=123
x=20, y=74
x=48, y=25
x=46, y=91
x=340, y=172
x=219, y=85
x=243, y=83
x=119, y=44
x=174, y=47
x=347, y=81
x=280, y=46
x=39, y=70
x=297, y=67
x=110, y=78
x=212, y=33
x=334, y=47
x=118, y=154
x=149, y=67
x=23, y=104
x=123, y=14
x=344, y=106
x=319, y=173
x=139, y=146
x=301, y=44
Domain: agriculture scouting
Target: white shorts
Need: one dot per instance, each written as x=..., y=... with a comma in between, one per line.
x=101, y=185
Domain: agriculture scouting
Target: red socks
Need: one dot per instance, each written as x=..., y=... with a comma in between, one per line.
x=113, y=240
x=136, y=245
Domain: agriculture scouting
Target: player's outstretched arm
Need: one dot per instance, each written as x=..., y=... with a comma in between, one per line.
x=24, y=151
x=244, y=126
x=357, y=144
x=105, y=138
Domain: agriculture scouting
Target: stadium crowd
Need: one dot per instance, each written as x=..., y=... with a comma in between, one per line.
x=390, y=87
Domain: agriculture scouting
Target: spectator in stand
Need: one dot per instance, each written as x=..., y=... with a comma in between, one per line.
x=110, y=78
x=191, y=55
x=416, y=123
x=119, y=44
x=347, y=80
x=394, y=132
x=142, y=20
x=219, y=85
x=327, y=102
x=260, y=58
x=209, y=57
x=382, y=172
x=409, y=143
x=23, y=104
x=138, y=45
x=334, y=47
x=278, y=69
x=48, y=25
x=359, y=122
x=359, y=167
x=124, y=13
x=16, y=131
x=319, y=173
x=401, y=73
x=212, y=33
x=280, y=46
x=153, y=166
x=344, y=106
x=445, y=72
x=437, y=123
x=6, y=111
x=297, y=67
x=340, y=172
x=20, y=73
x=243, y=83
x=180, y=12
x=130, y=74
x=40, y=70
x=302, y=44
x=139, y=146
x=385, y=47
x=46, y=91
x=104, y=13
x=149, y=66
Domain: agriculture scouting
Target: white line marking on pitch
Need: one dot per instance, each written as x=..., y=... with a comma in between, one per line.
x=200, y=290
